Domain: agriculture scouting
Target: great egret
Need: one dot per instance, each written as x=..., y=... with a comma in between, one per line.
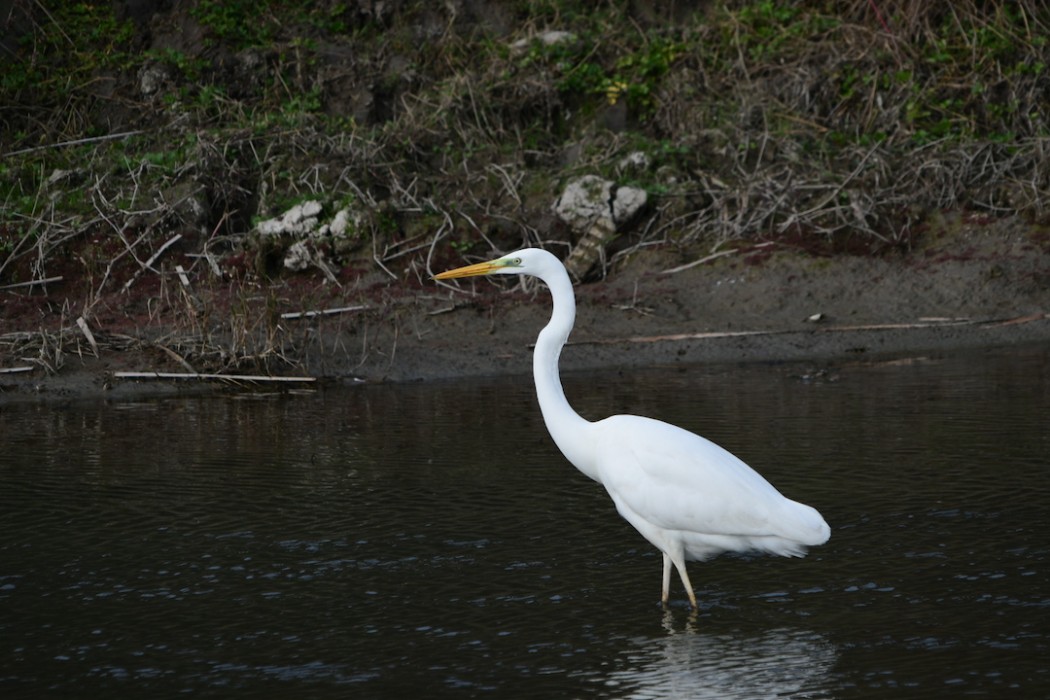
x=686, y=495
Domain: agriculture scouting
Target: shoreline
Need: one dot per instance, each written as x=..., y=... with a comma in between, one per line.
x=971, y=290
x=93, y=379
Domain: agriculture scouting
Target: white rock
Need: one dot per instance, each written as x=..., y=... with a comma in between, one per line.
x=300, y=219
x=270, y=227
x=58, y=176
x=638, y=160
x=628, y=202
x=340, y=223
x=556, y=36
x=298, y=257
x=589, y=199
x=310, y=208
x=152, y=79
x=584, y=201
x=549, y=38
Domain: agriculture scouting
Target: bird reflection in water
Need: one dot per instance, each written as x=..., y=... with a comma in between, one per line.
x=689, y=663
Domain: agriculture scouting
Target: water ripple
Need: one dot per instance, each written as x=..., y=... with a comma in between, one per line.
x=373, y=540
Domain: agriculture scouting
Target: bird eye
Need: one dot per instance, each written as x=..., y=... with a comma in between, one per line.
x=517, y=261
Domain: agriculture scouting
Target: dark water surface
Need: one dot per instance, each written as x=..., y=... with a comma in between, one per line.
x=428, y=541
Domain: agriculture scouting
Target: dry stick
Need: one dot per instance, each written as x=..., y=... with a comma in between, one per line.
x=181, y=272
x=932, y=323
x=323, y=312
x=387, y=256
x=477, y=228
x=375, y=257
x=82, y=227
x=82, y=324
x=701, y=261
x=128, y=248
x=46, y=280
x=210, y=259
x=15, y=370
x=205, y=253
x=200, y=376
x=17, y=336
x=1019, y=320
x=508, y=184
x=318, y=260
x=39, y=265
x=178, y=358
x=75, y=142
x=171, y=241
x=25, y=239
x=704, y=335
x=437, y=237
x=794, y=218
x=878, y=15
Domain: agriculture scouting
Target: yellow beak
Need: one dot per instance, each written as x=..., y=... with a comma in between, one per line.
x=483, y=268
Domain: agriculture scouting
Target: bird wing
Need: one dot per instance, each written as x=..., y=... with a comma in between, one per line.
x=676, y=480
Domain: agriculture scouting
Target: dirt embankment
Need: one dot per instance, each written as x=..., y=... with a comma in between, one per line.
x=977, y=286
x=852, y=185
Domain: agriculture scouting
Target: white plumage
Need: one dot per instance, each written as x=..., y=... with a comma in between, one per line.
x=689, y=497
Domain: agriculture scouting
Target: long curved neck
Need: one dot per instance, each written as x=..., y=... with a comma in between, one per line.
x=570, y=431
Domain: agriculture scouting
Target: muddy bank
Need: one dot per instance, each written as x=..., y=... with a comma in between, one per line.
x=856, y=188
x=786, y=307
x=975, y=286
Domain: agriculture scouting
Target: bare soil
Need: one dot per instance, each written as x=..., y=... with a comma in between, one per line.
x=973, y=284
x=857, y=190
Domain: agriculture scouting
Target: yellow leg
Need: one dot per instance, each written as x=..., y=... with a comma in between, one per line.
x=688, y=586
x=679, y=563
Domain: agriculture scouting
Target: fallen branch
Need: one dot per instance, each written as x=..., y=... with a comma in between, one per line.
x=1019, y=320
x=46, y=280
x=323, y=312
x=703, y=335
x=210, y=259
x=701, y=261
x=148, y=264
x=202, y=376
x=926, y=323
x=75, y=142
x=715, y=256
x=15, y=370
x=178, y=358
x=318, y=260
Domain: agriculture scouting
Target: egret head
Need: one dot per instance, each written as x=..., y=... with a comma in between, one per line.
x=528, y=261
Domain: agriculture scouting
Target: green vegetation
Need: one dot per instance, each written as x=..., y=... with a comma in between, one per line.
x=758, y=118
x=633, y=73
x=244, y=24
x=65, y=47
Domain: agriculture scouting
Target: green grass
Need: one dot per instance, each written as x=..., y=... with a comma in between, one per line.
x=746, y=85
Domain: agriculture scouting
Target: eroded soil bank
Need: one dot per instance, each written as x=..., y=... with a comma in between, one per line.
x=976, y=285
x=858, y=181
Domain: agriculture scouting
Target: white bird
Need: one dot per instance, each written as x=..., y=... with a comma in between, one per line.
x=689, y=497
